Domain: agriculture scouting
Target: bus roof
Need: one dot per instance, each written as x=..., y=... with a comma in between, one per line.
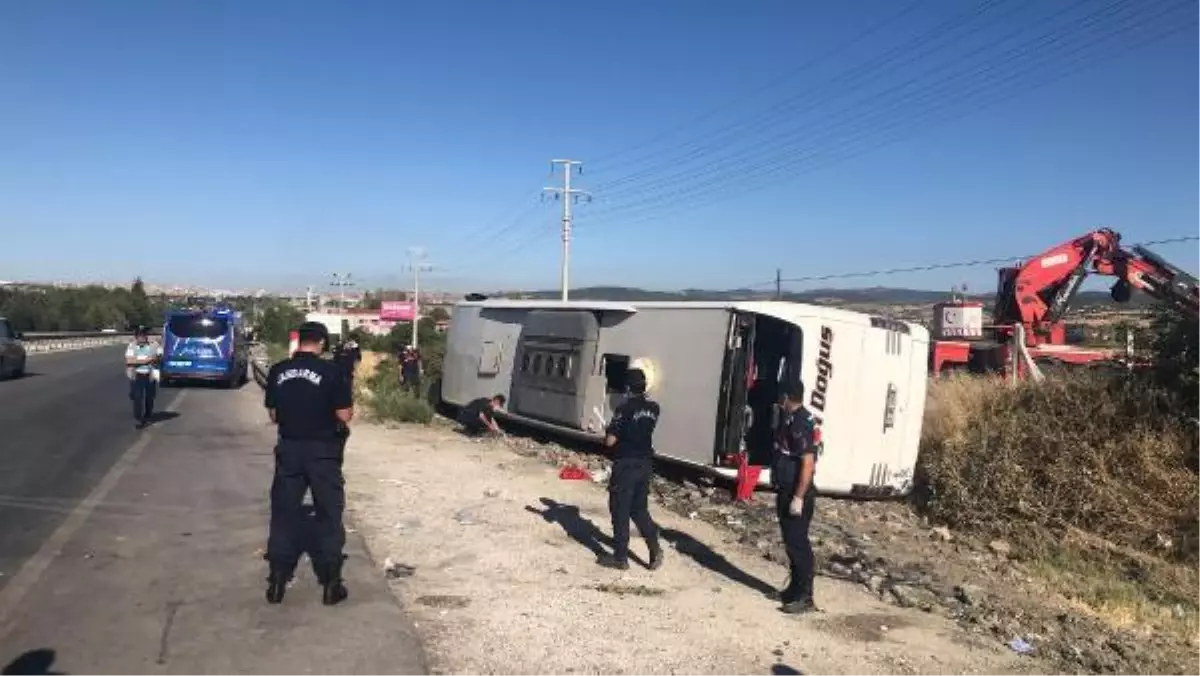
x=784, y=310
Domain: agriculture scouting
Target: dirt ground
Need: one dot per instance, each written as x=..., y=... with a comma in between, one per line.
x=495, y=556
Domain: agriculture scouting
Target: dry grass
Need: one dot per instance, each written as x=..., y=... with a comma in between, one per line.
x=369, y=364
x=1126, y=590
x=377, y=385
x=1087, y=476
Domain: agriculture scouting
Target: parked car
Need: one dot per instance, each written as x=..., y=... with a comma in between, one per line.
x=12, y=351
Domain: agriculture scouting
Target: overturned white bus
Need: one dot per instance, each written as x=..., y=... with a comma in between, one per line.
x=715, y=368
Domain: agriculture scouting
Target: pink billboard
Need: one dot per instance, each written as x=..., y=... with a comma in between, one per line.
x=396, y=310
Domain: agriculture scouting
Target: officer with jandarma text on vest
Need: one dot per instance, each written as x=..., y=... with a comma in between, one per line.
x=797, y=446
x=631, y=433
x=311, y=401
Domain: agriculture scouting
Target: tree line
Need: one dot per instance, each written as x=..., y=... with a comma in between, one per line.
x=89, y=308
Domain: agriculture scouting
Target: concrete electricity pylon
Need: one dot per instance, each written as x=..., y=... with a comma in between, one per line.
x=341, y=281
x=415, y=257
x=568, y=195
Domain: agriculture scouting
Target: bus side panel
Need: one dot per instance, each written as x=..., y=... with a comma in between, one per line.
x=481, y=343
x=883, y=419
x=832, y=369
x=687, y=348
x=917, y=377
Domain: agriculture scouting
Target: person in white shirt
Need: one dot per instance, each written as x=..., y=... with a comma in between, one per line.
x=141, y=364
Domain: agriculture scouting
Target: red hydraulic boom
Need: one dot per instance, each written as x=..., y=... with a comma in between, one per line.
x=1037, y=294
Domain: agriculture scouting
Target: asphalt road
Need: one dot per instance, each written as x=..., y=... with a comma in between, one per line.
x=140, y=551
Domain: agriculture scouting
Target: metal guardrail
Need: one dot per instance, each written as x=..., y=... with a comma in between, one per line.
x=37, y=342
x=31, y=336
x=63, y=344
x=259, y=365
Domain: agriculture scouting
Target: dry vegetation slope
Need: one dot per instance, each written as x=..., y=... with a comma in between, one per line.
x=1090, y=480
x=1093, y=481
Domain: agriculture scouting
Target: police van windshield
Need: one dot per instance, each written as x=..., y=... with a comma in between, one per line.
x=197, y=327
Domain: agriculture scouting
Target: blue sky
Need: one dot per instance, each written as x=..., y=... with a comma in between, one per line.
x=721, y=140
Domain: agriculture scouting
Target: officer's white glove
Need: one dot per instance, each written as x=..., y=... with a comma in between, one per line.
x=797, y=506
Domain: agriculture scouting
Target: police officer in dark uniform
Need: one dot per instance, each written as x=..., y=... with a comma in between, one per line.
x=309, y=398
x=347, y=357
x=631, y=431
x=797, y=445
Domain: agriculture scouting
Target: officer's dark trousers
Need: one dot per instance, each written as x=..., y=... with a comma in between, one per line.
x=301, y=466
x=412, y=383
x=795, y=528
x=628, y=498
x=142, y=390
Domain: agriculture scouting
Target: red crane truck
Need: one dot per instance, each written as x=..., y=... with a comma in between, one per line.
x=1032, y=297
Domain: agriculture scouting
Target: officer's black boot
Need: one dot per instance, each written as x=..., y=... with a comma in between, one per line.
x=334, y=591
x=656, y=555
x=801, y=599
x=611, y=561
x=277, y=581
x=788, y=593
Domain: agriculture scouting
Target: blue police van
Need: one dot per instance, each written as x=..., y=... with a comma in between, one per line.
x=205, y=345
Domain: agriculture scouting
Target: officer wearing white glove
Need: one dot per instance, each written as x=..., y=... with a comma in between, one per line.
x=797, y=444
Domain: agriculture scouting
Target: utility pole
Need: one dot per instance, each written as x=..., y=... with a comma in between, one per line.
x=415, y=256
x=341, y=281
x=568, y=195
x=778, y=284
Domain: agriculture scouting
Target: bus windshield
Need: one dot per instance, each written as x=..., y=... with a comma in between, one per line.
x=196, y=326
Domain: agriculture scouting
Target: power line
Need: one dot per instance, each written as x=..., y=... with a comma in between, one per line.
x=867, y=126
x=539, y=232
x=780, y=147
x=770, y=84
x=527, y=202
x=937, y=266
x=730, y=155
x=478, y=247
x=873, y=69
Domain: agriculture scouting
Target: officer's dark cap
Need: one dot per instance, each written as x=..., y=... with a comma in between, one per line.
x=636, y=379
x=312, y=332
x=793, y=391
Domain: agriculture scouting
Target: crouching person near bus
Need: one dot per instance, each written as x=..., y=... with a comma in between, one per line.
x=797, y=444
x=478, y=416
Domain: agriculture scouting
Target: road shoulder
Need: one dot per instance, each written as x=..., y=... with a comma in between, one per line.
x=163, y=573
x=494, y=556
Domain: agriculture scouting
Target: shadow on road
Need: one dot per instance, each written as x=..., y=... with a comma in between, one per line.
x=704, y=555
x=782, y=669
x=577, y=527
x=33, y=662
x=162, y=416
x=27, y=375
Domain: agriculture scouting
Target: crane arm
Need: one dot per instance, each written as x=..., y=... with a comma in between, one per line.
x=1039, y=292
x=1147, y=272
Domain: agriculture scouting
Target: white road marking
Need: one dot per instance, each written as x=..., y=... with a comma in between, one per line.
x=31, y=573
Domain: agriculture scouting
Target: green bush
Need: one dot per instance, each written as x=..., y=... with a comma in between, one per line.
x=399, y=407
x=276, y=321
x=276, y=352
x=385, y=400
